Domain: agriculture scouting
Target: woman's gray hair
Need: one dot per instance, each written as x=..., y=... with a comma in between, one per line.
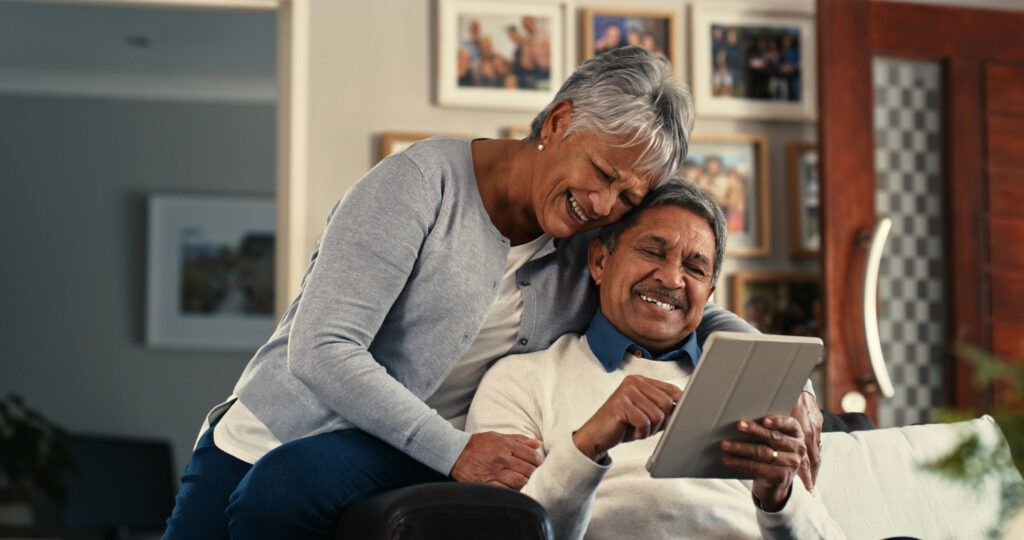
x=685, y=195
x=632, y=94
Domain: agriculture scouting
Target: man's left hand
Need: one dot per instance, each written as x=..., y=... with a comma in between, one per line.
x=809, y=416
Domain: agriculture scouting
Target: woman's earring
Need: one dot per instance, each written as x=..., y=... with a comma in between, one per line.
x=540, y=147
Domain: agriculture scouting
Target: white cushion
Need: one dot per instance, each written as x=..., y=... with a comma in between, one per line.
x=875, y=486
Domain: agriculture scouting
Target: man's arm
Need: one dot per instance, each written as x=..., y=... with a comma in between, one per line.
x=565, y=484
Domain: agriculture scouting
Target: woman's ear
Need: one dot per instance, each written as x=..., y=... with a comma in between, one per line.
x=558, y=120
x=597, y=254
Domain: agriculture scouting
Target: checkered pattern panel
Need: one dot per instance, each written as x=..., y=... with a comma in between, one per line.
x=909, y=187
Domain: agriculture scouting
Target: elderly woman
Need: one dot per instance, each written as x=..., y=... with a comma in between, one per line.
x=440, y=260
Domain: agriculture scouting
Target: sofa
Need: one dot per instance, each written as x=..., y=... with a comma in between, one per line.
x=874, y=484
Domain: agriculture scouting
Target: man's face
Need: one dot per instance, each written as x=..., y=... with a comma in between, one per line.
x=654, y=286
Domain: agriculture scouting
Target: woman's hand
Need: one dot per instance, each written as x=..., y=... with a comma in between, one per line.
x=773, y=462
x=637, y=409
x=498, y=459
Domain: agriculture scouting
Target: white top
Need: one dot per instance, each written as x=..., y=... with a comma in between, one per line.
x=496, y=338
x=549, y=394
x=240, y=434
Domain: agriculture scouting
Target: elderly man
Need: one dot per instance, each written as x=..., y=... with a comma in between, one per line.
x=656, y=269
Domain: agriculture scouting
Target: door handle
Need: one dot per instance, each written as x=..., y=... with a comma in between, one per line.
x=870, y=307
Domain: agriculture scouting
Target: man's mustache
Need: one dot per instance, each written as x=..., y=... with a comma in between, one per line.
x=669, y=294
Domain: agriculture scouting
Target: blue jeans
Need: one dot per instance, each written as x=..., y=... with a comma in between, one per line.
x=295, y=491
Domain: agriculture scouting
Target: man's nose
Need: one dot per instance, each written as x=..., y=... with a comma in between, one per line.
x=670, y=275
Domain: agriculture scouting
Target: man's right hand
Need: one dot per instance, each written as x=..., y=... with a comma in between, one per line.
x=637, y=409
x=495, y=458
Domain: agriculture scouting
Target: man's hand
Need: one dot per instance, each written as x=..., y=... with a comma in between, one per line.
x=773, y=462
x=502, y=460
x=809, y=416
x=637, y=409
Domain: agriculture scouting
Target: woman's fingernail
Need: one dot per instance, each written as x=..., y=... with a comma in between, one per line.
x=743, y=424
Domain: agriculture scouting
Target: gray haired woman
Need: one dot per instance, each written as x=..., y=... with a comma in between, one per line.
x=440, y=260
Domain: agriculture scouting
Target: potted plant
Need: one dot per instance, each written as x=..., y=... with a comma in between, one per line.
x=34, y=453
x=971, y=461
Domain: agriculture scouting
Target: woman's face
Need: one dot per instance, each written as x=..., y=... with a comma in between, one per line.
x=583, y=182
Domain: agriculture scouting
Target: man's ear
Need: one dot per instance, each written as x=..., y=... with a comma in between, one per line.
x=597, y=254
x=558, y=121
x=710, y=292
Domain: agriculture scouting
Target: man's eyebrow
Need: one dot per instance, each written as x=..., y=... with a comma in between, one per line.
x=652, y=238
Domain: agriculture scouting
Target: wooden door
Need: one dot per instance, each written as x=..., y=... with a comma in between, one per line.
x=978, y=56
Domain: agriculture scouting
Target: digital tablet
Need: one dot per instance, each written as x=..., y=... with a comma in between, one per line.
x=739, y=376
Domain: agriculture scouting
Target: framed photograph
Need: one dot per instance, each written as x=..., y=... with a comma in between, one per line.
x=210, y=272
x=754, y=64
x=804, y=199
x=499, y=55
x=656, y=30
x=396, y=141
x=734, y=169
x=779, y=303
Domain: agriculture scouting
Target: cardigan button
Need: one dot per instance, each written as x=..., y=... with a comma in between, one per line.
x=523, y=341
x=524, y=283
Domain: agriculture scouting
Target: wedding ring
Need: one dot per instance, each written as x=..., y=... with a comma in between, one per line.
x=819, y=444
x=775, y=454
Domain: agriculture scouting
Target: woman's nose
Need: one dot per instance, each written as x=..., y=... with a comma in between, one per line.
x=602, y=201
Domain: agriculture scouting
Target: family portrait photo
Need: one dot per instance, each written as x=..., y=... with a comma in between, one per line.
x=778, y=303
x=498, y=55
x=609, y=28
x=756, y=62
x=731, y=168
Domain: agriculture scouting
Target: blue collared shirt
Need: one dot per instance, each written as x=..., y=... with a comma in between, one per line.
x=609, y=345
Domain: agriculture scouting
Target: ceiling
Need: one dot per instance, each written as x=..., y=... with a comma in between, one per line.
x=137, y=52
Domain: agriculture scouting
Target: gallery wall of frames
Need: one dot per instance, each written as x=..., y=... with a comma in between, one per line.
x=751, y=69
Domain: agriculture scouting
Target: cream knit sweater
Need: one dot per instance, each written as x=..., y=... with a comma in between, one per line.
x=549, y=394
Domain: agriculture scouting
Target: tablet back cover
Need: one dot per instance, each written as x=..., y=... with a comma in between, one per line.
x=739, y=376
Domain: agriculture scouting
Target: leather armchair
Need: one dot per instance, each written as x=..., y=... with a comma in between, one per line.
x=445, y=510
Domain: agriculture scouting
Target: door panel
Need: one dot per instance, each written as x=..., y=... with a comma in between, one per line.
x=980, y=225
x=910, y=182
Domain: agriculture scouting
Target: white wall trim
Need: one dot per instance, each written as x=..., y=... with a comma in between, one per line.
x=207, y=88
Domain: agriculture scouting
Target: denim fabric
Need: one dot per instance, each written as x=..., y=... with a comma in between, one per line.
x=295, y=491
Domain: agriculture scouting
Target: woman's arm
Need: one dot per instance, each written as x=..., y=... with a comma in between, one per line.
x=367, y=253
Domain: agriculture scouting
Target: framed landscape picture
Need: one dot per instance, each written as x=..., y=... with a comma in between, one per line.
x=753, y=64
x=778, y=303
x=734, y=169
x=210, y=271
x=499, y=55
x=804, y=199
x=656, y=30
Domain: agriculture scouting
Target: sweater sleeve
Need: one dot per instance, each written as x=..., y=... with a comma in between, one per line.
x=366, y=255
x=804, y=516
x=566, y=483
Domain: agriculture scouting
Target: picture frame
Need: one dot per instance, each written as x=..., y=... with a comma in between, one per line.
x=499, y=55
x=656, y=30
x=804, y=188
x=734, y=169
x=755, y=64
x=779, y=302
x=210, y=271
x=516, y=132
x=392, y=142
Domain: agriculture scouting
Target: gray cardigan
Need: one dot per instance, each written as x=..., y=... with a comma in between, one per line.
x=407, y=268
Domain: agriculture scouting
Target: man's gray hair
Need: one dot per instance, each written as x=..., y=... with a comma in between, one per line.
x=632, y=94
x=685, y=195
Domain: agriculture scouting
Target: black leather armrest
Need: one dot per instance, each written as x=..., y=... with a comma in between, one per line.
x=448, y=510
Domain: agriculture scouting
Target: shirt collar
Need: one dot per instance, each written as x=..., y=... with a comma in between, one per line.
x=609, y=345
